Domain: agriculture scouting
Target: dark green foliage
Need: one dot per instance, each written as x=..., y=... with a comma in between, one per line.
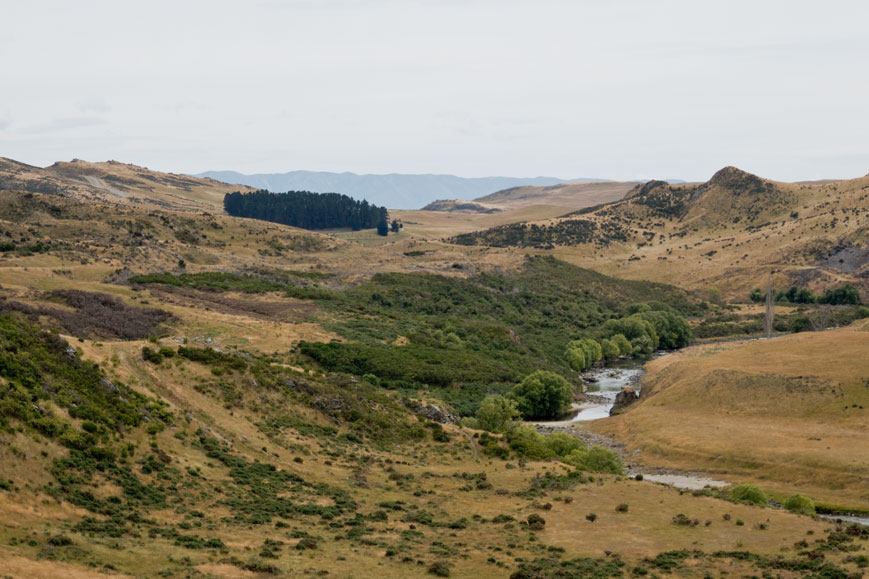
x=670, y=560
x=153, y=356
x=482, y=333
x=757, y=296
x=566, y=232
x=37, y=366
x=197, y=542
x=536, y=522
x=306, y=544
x=213, y=358
x=639, y=332
x=845, y=295
x=305, y=209
x=212, y=281
x=113, y=527
x=672, y=329
x=543, y=395
x=409, y=365
x=382, y=228
x=259, y=490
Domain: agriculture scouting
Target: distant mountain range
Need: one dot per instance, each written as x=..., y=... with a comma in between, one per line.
x=395, y=191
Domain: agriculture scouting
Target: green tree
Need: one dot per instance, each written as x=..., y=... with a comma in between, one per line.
x=624, y=345
x=543, y=395
x=576, y=358
x=845, y=295
x=757, y=296
x=591, y=352
x=496, y=413
x=383, y=228
x=529, y=443
x=640, y=332
x=672, y=329
x=610, y=349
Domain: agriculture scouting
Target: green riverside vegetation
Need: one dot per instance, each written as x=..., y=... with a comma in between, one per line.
x=482, y=334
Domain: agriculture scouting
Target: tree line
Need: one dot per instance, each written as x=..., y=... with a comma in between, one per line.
x=846, y=295
x=307, y=210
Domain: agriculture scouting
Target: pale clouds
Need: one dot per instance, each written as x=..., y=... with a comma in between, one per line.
x=622, y=88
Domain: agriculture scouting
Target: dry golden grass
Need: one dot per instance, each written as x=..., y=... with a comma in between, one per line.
x=570, y=196
x=236, y=320
x=791, y=414
x=16, y=566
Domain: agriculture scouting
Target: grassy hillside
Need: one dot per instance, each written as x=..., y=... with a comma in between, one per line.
x=729, y=233
x=118, y=183
x=158, y=419
x=568, y=195
x=465, y=337
x=789, y=414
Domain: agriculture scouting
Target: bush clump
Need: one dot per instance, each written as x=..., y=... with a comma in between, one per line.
x=543, y=395
x=536, y=522
x=439, y=569
x=800, y=504
x=748, y=494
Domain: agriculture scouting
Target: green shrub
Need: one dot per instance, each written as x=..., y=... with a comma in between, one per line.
x=750, y=494
x=610, y=349
x=582, y=354
x=496, y=413
x=562, y=444
x=152, y=356
x=527, y=442
x=439, y=569
x=595, y=459
x=800, y=504
x=543, y=395
x=623, y=344
x=536, y=522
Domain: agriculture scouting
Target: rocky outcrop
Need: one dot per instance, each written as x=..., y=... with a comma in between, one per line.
x=623, y=399
x=432, y=412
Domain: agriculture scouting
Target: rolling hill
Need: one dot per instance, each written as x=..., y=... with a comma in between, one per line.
x=115, y=182
x=730, y=232
x=761, y=410
x=395, y=191
x=573, y=195
x=184, y=393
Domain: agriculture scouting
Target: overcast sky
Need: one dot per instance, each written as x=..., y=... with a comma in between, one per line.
x=617, y=89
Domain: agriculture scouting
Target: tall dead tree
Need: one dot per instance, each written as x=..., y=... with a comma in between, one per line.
x=769, y=316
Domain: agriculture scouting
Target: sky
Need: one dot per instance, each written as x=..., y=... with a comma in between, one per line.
x=618, y=89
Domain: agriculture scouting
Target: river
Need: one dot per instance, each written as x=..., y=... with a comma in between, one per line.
x=605, y=384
